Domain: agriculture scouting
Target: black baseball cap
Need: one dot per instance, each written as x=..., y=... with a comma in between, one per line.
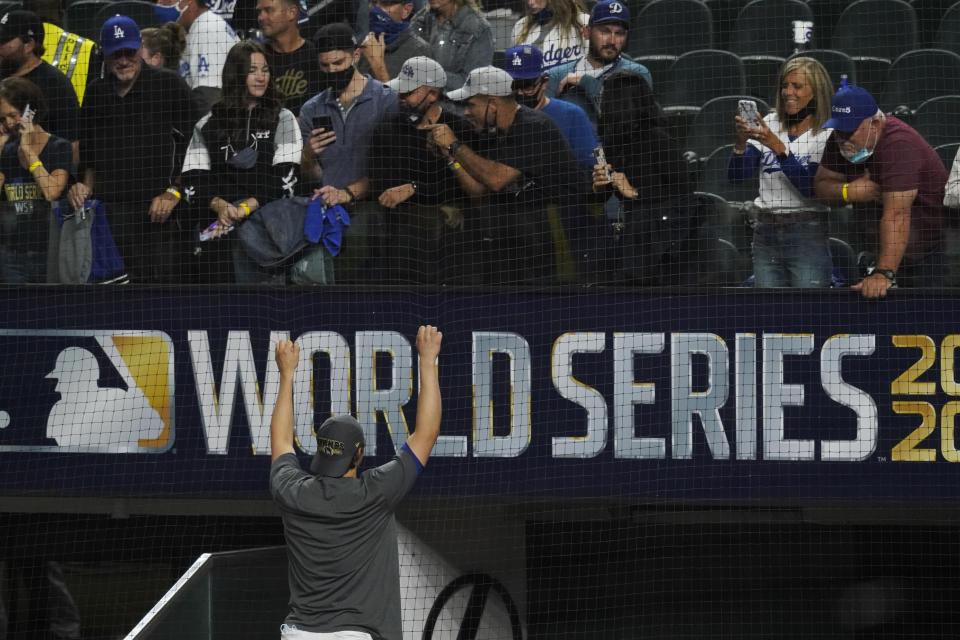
x=338, y=440
x=336, y=36
x=20, y=24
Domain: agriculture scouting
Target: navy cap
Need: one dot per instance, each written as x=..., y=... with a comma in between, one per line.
x=20, y=24
x=850, y=106
x=119, y=32
x=338, y=440
x=610, y=11
x=524, y=62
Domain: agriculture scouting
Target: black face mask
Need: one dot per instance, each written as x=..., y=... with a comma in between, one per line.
x=414, y=112
x=336, y=80
x=798, y=117
x=527, y=101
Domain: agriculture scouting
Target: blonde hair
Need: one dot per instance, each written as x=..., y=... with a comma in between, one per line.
x=817, y=78
x=566, y=18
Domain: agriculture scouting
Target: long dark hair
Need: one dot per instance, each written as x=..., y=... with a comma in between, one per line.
x=629, y=112
x=230, y=112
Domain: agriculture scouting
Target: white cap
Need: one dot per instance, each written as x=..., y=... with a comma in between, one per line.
x=419, y=72
x=484, y=81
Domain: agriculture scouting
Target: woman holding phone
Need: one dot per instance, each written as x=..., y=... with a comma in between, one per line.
x=642, y=166
x=244, y=153
x=34, y=168
x=790, y=242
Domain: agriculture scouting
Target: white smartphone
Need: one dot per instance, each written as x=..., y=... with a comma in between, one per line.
x=748, y=111
x=28, y=113
x=601, y=159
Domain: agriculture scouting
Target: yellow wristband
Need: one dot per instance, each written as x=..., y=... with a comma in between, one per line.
x=846, y=196
x=34, y=166
x=246, y=209
x=174, y=191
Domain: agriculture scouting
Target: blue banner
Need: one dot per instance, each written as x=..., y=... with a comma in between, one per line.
x=742, y=396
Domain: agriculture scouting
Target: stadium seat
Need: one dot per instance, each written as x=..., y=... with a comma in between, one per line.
x=724, y=14
x=825, y=15
x=732, y=267
x=141, y=11
x=876, y=29
x=671, y=27
x=761, y=74
x=713, y=178
x=9, y=5
x=929, y=14
x=699, y=76
x=920, y=75
x=764, y=28
x=712, y=127
x=81, y=18
x=947, y=153
x=938, y=120
x=875, y=33
x=844, y=261
x=659, y=66
x=837, y=64
x=948, y=34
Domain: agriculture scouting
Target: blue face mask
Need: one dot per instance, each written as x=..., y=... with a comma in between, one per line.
x=860, y=156
x=382, y=23
x=543, y=16
x=169, y=13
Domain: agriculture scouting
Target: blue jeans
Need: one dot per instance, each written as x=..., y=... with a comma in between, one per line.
x=795, y=254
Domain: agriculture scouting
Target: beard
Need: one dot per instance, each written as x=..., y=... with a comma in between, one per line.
x=9, y=66
x=606, y=55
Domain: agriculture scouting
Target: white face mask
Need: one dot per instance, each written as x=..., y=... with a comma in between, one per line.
x=861, y=156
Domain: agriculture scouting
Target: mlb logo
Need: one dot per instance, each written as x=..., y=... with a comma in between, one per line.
x=87, y=391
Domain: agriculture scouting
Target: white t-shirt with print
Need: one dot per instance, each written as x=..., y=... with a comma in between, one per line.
x=208, y=42
x=555, y=48
x=777, y=193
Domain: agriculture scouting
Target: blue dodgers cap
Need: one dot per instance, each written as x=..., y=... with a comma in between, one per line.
x=338, y=440
x=524, y=62
x=119, y=32
x=610, y=11
x=850, y=106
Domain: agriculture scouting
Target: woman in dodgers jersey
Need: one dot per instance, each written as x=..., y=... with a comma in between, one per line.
x=790, y=242
x=555, y=27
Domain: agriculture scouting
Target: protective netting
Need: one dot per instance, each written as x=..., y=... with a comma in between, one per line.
x=608, y=210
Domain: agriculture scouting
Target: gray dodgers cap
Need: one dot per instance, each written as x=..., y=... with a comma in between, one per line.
x=338, y=440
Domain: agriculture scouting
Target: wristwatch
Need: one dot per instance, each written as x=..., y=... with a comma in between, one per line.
x=889, y=274
x=453, y=146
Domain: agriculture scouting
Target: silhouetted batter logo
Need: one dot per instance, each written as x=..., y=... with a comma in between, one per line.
x=112, y=391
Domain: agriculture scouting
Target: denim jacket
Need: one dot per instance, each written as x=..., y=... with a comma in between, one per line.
x=459, y=45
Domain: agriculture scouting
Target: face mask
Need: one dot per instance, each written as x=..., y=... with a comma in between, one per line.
x=529, y=100
x=798, y=117
x=382, y=23
x=337, y=80
x=543, y=16
x=860, y=156
x=169, y=13
x=488, y=129
x=415, y=111
x=244, y=159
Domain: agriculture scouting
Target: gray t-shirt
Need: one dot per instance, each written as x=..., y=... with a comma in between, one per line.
x=342, y=545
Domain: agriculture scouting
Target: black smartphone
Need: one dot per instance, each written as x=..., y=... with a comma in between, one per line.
x=322, y=122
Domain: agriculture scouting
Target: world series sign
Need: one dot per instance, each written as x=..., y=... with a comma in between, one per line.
x=745, y=396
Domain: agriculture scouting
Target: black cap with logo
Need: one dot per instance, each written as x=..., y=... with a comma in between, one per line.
x=338, y=440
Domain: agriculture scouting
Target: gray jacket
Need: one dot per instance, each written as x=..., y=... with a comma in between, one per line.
x=460, y=45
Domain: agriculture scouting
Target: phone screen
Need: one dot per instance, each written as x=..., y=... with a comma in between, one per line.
x=323, y=122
